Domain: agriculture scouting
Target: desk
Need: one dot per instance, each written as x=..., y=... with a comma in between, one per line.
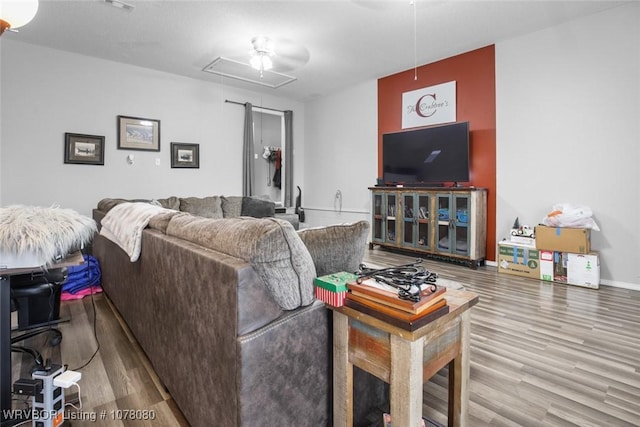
x=403, y=359
x=5, y=326
x=5, y=346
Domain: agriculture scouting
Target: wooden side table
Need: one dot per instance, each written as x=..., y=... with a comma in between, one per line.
x=403, y=359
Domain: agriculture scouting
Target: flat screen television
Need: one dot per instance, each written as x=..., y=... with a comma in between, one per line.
x=427, y=156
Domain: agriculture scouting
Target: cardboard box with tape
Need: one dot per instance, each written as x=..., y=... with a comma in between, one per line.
x=563, y=239
x=519, y=260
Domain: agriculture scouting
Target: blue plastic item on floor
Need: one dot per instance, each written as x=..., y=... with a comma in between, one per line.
x=83, y=276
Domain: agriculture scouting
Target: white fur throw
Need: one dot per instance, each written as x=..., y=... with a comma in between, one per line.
x=43, y=235
x=124, y=223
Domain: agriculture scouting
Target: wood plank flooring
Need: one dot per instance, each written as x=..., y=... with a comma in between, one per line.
x=118, y=382
x=542, y=354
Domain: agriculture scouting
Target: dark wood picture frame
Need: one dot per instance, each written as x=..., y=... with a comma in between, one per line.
x=184, y=155
x=83, y=149
x=137, y=133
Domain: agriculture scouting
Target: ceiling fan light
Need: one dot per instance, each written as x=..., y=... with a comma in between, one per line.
x=267, y=64
x=17, y=13
x=261, y=62
x=256, y=62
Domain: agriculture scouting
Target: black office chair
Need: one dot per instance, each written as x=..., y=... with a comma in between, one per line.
x=36, y=297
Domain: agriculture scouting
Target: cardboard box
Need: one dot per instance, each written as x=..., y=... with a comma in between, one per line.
x=528, y=241
x=584, y=270
x=518, y=260
x=546, y=265
x=553, y=266
x=332, y=288
x=574, y=269
x=563, y=239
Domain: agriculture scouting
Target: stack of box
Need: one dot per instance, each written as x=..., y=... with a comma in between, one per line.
x=558, y=254
x=518, y=255
x=566, y=256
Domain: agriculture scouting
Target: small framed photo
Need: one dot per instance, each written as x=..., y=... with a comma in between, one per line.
x=185, y=155
x=83, y=149
x=136, y=133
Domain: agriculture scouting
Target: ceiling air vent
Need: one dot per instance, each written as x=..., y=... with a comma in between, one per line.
x=237, y=70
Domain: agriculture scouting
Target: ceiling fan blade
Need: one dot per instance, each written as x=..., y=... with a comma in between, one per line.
x=289, y=55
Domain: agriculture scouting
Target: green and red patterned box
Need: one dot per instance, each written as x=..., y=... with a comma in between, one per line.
x=332, y=288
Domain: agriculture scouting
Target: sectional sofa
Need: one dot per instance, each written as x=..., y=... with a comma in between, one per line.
x=224, y=309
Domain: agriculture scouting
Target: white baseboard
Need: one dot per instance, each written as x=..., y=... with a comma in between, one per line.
x=624, y=285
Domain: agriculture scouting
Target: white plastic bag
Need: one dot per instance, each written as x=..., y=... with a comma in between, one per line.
x=568, y=215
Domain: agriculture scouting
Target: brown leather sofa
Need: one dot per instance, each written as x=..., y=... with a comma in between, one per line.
x=220, y=342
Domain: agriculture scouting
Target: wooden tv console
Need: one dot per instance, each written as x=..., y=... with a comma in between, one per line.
x=448, y=223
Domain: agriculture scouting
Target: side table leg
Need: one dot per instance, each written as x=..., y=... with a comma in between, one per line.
x=406, y=381
x=459, y=377
x=342, y=373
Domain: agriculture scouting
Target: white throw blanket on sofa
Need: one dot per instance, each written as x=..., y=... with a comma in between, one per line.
x=124, y=223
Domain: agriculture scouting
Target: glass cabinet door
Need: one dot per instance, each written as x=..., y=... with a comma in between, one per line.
x=443, y=230
x=461, y=229
x=453, y=223
x=424, y=221
x=378, y=217
x=391, y=223
x=409, y=220
x=385, y=210
x=416, y=220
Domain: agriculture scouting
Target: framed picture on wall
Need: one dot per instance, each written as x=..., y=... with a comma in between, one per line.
x=136, y=133
x=83, y=149
x=185, y=155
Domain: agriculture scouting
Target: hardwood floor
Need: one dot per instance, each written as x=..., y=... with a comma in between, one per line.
x=117, y=383
x=542, y=354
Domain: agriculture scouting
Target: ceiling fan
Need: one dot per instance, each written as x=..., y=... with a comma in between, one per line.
x=285, y=55
x=262, y=60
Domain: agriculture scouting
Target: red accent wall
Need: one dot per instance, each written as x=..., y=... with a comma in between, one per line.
x=474, y=73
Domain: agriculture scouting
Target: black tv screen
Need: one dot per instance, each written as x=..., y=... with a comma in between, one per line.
x=429, y=156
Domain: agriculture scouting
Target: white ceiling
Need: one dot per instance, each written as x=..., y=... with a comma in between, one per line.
x=336, y=43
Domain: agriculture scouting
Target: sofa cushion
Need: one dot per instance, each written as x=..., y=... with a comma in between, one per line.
x=161, y=221
x=335, y=248
x=231, y=206
x=270, y=245
x=170, y=203
x=206, y=207
x=257, y=207
x=105, y=205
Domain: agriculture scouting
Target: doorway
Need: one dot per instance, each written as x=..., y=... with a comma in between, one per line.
x=269, y=149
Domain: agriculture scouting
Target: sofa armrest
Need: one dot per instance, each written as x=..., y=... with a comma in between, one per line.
x=335, y=248
x=293, y=218
x=97, y=217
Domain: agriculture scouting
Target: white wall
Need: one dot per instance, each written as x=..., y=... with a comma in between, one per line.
x=568, y=127
x=46, y=93
x=341, y=154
